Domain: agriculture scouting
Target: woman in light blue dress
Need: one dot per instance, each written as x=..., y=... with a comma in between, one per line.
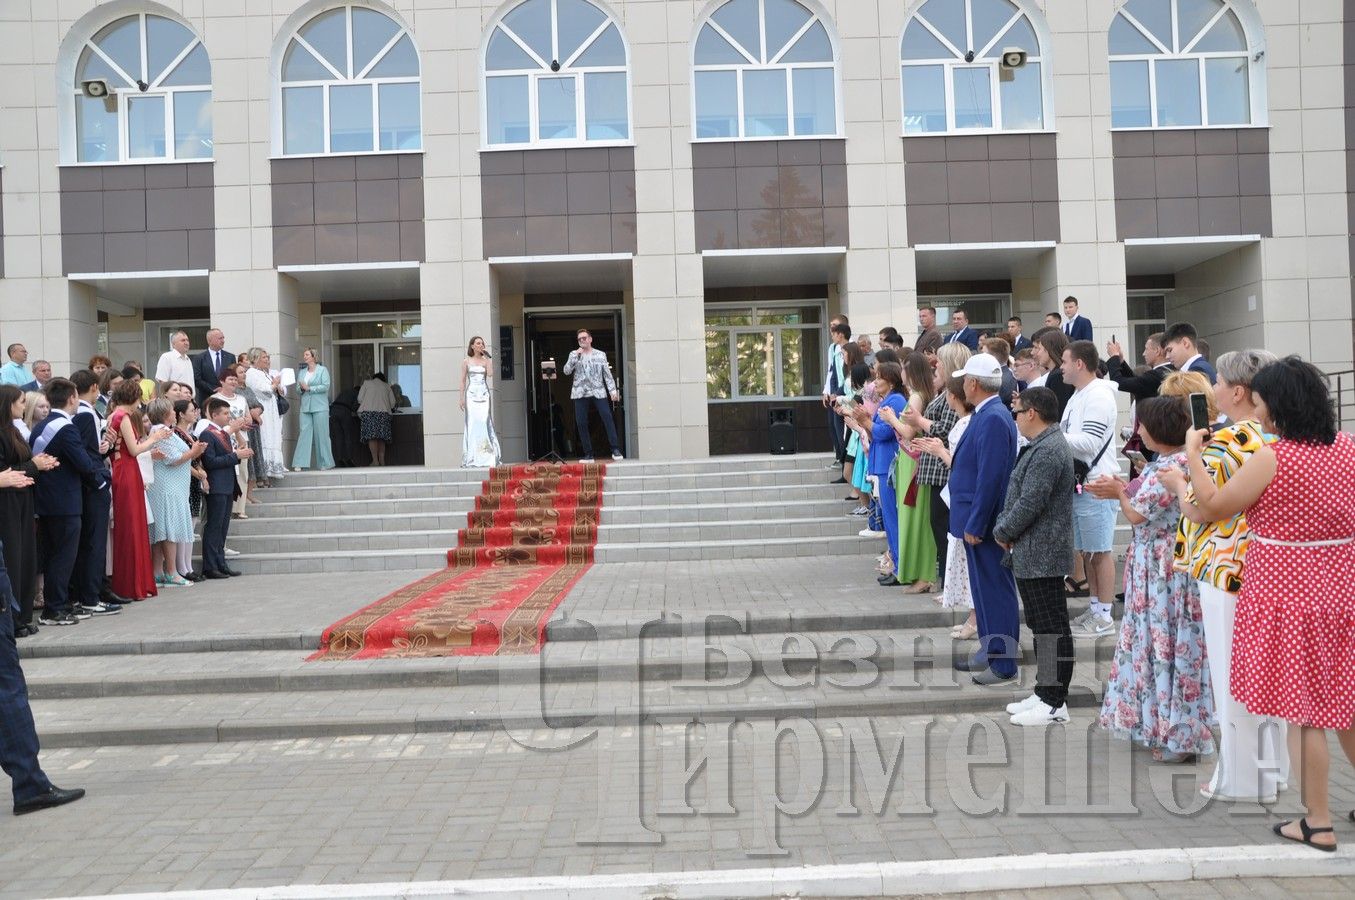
x=172, y=522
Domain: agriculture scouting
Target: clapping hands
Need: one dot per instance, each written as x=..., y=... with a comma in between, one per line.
x=14, y=478
x=45, y=462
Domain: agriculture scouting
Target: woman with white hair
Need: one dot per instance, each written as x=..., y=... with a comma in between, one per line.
x=266, y=389
x=1253, y=760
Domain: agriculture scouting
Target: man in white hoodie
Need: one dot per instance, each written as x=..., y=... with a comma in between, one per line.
x=1089, y=425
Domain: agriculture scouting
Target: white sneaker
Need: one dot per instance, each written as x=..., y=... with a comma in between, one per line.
x=1014, y=708
x=229, y=552
x=1041, y=714
x=1092, y=626
x=618, y=456
x=867, y=533
x=587, y=459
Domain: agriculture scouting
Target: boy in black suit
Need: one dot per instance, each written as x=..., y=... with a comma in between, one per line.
x=59, y=499
x=220, y=460
x=87, y=581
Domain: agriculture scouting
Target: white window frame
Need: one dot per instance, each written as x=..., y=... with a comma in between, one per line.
x=566, y=70
x=1041, y=55
x=329, y=344
x=1254, y=54
x=71, y=93
x=292, y=32
x=731, y=333
x=817, y=14
x=1154, y=324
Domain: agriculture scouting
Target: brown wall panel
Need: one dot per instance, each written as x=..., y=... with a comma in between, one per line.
x=557, y=202
x=151, y=218
x=1192, y=183
x=348, y=209
x=758, y=194
x=967, y=189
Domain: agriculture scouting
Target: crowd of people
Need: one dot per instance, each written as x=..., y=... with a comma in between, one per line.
x=991, y=466
x=110, y=476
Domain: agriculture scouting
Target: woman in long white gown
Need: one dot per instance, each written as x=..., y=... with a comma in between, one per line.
x=266, y=388
x=480, y=445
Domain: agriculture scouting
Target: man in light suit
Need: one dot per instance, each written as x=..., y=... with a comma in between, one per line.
x=209, y=364
x=979, y=473
x=1078, y=327
x=963, y=334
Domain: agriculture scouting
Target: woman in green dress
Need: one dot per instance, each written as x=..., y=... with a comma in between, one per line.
x=916, y=550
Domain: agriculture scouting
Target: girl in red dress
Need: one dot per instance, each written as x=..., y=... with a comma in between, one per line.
x=1294, y=635
x=132, y=573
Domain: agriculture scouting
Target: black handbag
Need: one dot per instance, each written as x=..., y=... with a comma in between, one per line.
x=1082, y=470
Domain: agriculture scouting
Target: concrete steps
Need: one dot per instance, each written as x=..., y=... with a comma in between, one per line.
x=745, y=507
x=264, y=695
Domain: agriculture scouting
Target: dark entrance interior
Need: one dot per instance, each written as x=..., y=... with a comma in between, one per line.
x=553, y=336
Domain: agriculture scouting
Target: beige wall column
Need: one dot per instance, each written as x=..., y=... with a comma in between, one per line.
x=879, y=274
x=510, y=397
x=669, y=406
x=1088, y=263
x=1305, y=302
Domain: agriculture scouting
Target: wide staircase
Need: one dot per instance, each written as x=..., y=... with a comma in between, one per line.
x=405, y=519
x=725, y=589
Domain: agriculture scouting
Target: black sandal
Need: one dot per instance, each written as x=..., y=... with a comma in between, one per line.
x=1075, y=588
x=1308, y=835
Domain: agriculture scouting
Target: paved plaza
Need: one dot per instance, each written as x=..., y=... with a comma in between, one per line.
x=777, y=764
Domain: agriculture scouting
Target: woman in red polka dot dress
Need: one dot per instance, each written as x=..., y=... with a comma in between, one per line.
x=1294, y=636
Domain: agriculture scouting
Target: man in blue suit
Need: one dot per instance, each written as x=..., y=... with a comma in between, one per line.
x=59, y=501
x=1018, y=340
x=210, y=364
x=87, y=581
x=1183, y=350
x=18, y=735
x=963, y=334
x=978, y=488
x=220, y=460
x=1077, y=326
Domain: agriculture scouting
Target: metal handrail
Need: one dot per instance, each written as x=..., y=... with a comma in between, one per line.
x=1343, y=393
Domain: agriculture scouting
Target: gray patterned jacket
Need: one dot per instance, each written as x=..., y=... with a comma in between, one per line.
x=1037, y=517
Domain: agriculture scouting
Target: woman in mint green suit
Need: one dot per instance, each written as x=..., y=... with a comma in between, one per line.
x=313, y=383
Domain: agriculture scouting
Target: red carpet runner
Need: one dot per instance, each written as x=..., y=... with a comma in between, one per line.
x=529, y=540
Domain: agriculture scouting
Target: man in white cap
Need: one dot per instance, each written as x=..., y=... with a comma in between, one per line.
x=979, y=473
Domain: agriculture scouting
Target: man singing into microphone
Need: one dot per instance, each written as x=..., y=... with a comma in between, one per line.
x=593, y=384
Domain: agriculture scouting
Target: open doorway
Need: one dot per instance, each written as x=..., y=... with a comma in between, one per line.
x=551, y=335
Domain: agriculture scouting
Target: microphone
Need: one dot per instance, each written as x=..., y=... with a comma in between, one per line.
x=488, y=355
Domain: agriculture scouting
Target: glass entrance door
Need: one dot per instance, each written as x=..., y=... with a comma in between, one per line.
x=550, y=411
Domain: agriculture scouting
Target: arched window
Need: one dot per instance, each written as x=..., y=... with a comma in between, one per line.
x=350, y=84
x=159, y=93
x=1183, y=64
x=764, y=69
x=555, y=72
x=953, y=76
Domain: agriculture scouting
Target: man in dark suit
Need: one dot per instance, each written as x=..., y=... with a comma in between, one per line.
x=1076, y=326
x=979, y=474
x=1140, y=387
x=87, y=580
x=220, y=460
x=1018, y=340
x=18, y=735
x=1180, y=342
x=209, y=364
x=59, y=501
x=929, y=337
x=962, y=333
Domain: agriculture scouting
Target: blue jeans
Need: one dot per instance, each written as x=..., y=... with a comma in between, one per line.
x=582, y=406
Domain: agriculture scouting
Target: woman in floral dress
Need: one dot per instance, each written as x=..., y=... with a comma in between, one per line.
x=1159, y=693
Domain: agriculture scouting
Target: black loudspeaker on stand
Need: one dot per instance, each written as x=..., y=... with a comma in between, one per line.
x=781, y=430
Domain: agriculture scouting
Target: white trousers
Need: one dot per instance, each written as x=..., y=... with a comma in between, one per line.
x=1253, y=755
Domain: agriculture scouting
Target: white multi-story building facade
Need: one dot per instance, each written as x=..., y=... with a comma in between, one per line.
x=702, y=184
